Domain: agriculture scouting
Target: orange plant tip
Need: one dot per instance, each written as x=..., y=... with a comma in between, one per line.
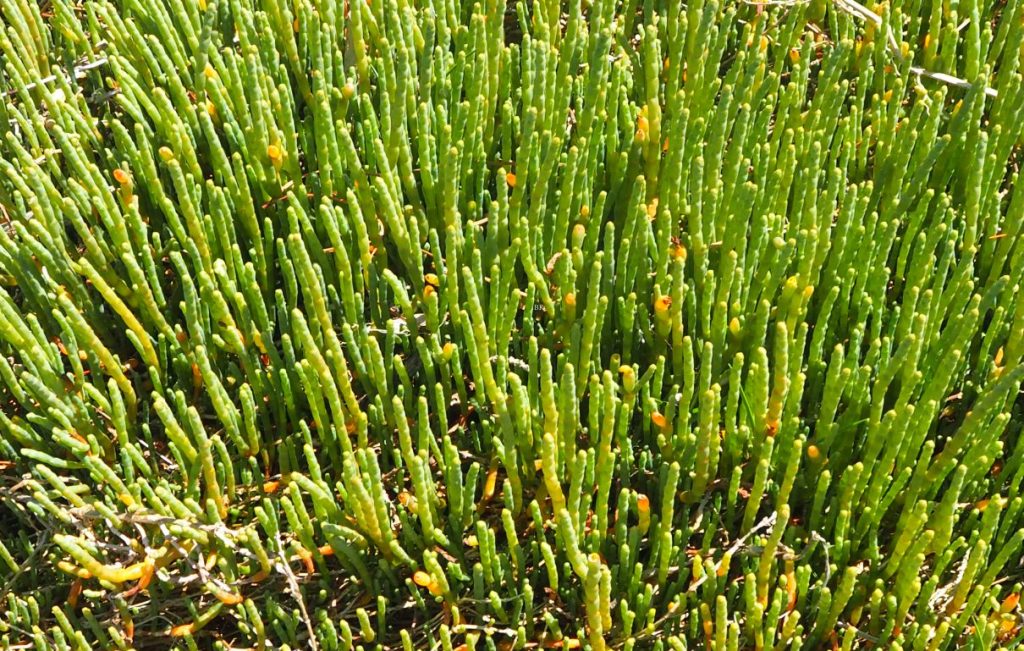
x=643, y=503
x=662, y=304
x=431, y=279
x=181, y=630
x=813, y=452
x=570, y=299
x=270, y=487
x=771, y=428
x=74, y=592
x=448, y=350
x=659, y=419
x=510, y=178
x=121, y=176
x=428, y=291
x=422, y=578
x=274, y=153
x=1010, y=602
x=148, y=569
x=709, y=627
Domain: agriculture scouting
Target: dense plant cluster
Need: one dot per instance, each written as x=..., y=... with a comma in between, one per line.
x=444, y=324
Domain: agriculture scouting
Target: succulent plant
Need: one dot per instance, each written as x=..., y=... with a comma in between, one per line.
x=454, y=325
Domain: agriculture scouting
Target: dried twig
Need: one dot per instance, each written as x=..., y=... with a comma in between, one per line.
x=858, y=10
x=78, y=72
x=293, y=588
x=766, y=521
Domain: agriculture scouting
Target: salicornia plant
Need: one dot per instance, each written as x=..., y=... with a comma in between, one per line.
x=444, y=324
